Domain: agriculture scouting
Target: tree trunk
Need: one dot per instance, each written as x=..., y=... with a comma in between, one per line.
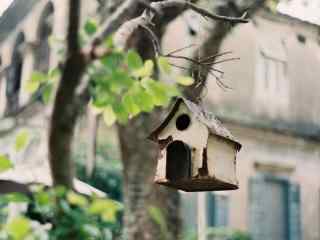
x=139, y=164
x=140, y=193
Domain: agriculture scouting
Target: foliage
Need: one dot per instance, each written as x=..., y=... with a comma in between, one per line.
x=107, y=174
x=121, y=84
x=59, y=214
x=22, y=140
x=5, y=163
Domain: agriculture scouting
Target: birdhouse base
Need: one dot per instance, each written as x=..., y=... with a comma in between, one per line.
x=198, y=185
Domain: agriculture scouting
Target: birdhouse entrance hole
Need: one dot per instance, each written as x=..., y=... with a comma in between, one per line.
x=178, y=165
x=183, y=122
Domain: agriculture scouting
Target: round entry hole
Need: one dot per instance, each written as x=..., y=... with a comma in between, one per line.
x=183, y=122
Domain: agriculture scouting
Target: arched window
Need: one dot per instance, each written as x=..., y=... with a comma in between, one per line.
x=42, y=54
x=14, y=75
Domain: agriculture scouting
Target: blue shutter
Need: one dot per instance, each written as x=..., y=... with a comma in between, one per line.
x=210, y=210
x=257, y=191
x=217, y=210
x=294, y=218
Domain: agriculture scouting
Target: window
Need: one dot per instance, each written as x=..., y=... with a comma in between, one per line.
x=42, y=55
x=271, y=85
x=14, y=75
x=217, y=210
x=274, y=209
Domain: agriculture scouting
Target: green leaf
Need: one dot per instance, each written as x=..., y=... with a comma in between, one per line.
x=164, y=65
x=134, y=60
x=130, y=105
x=108, y=42
x=119, y=80
x=31, y=86
x=185, y=80
x=19, y=228
x=42, y=198
x=121, y=113
x=112, y=62
x=157, y=90
x=47, y=93
x=145, y=71
x=22, y=140
x=143, y=99
x=77, y=199
x=95, y=109
x=91, y=27
x=106, y=208
x=38, y=77
x=53, y=73
x=14, y=198
x=109, y=116
x=5, y=163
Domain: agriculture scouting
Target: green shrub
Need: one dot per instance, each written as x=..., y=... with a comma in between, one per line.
x=56, y=214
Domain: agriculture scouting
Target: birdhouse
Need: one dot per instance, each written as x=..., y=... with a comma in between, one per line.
x=196, y=153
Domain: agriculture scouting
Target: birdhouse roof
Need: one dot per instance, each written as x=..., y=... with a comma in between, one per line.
x=207, y=118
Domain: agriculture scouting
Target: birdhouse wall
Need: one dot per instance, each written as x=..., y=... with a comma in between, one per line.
x=222, y=159
x=196, y=136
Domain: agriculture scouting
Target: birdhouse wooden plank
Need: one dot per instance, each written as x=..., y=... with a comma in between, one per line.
x=196, y=153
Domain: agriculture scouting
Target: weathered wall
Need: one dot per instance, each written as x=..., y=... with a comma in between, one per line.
x=274, y=129
x=36, y=120
x=293, y=105
x=293, y=158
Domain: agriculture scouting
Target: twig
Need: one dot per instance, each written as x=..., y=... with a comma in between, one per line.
x=221, y=61
x=154, y=39
x=180, y=49
x=215, y=56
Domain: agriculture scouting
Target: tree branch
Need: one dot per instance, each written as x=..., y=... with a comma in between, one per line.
x=128, y=28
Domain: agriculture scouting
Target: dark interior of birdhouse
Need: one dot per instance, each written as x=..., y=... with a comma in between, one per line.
x=178, y=161
x=183, y=122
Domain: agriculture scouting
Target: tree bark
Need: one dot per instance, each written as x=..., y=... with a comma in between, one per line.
x=65, y=111
x=139, y=163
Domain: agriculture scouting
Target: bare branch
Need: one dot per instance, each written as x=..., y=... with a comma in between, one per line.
x=115, y=21
x=127, y=29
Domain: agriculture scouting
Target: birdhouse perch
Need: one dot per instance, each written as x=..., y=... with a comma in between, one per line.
x=196, y=153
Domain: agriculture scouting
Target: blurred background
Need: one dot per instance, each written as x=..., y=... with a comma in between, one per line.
x=268, y=98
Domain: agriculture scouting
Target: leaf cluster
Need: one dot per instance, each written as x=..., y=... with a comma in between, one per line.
x=61, y=214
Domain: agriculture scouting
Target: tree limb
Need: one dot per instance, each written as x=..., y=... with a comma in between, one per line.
x=128, y=28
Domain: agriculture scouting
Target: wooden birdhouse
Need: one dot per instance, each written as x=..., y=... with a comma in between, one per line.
x=196, y=152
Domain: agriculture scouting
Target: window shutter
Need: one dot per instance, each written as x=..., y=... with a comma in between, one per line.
x=210, y=210
x=217, y=210
x=294, y=212
x=257, y=192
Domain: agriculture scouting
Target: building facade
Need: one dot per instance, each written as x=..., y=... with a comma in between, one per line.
x=31, y=35
x=273, y=109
